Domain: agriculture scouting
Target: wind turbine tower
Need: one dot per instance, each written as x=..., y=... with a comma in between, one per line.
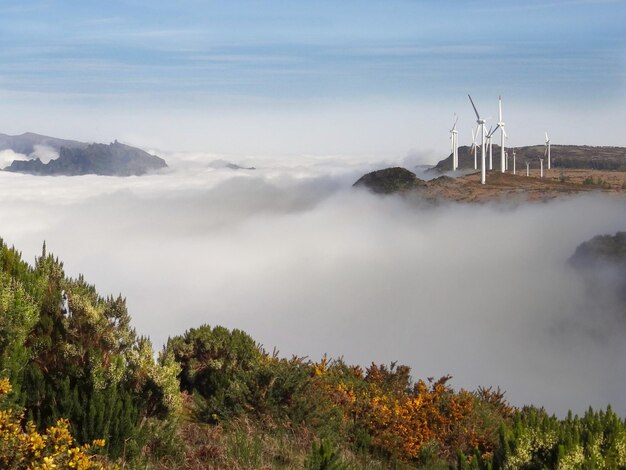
x=455, y=146
x=527, y=169
x=548, y=149
x=489, y=135
x=481, y=126
x=502, y=134
x=513, y=161
x=474, y=147
x=541, y=173
x=489, y=146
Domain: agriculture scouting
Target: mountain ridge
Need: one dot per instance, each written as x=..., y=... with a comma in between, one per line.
x=25, y=143
x=561, y=156
x=78, y=158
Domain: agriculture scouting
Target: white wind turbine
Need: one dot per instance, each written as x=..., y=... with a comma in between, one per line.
x=481, y=126
x=502, y=134
x=541, y=172
x=547, y=152
x=455, y=145
x=527, y=168
x=474, y=147
x=489, y=135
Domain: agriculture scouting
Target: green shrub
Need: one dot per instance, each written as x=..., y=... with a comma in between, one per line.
x=216, y=365
x=86, y=365
x=324, y=456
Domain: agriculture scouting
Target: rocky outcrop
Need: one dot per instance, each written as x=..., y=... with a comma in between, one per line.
x=390, y=180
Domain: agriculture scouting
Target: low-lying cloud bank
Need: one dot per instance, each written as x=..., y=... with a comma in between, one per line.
x=293, y=255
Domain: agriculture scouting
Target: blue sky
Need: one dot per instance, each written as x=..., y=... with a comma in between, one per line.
x=268, y=60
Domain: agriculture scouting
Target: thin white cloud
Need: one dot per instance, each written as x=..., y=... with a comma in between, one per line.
x=153, y=38
x=443, y=49
x=44, y=153
x=7, y=157
x=540, y=5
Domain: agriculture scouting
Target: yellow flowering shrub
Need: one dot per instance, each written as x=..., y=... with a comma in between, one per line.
x=403, y=423
x=55, y=448
x=402, y=418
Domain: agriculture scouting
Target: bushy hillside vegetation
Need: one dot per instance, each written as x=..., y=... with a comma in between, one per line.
x=84, y=381
x=86, y=364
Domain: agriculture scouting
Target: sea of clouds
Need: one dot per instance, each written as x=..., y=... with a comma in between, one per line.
x=296, y=257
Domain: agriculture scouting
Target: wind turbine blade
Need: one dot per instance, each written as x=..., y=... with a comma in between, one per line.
x=500, y=108
x=504, y=132
x=473, y=106
x=473, y=136
x=456, y=119
x=545, y=152
x=494, y=131
x=547, y=139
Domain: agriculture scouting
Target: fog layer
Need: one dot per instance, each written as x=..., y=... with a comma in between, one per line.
x=294, y=256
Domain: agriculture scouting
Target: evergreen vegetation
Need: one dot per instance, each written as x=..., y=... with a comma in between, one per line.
x=83, y=379
x=54, y=448
x=86, y=365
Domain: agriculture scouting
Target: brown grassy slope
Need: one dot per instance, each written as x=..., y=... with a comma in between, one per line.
x=508, y=187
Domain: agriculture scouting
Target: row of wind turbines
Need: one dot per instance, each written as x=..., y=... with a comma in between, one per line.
x=486, y=141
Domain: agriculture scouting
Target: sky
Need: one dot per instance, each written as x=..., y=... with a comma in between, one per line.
x=301, y=78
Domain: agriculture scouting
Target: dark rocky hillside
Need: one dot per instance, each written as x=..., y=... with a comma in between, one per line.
x=603, y=249
x=389, y=180
x=562, y=156
x=601, y=262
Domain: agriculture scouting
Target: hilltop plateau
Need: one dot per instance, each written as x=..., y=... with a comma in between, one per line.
x=499, y=186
